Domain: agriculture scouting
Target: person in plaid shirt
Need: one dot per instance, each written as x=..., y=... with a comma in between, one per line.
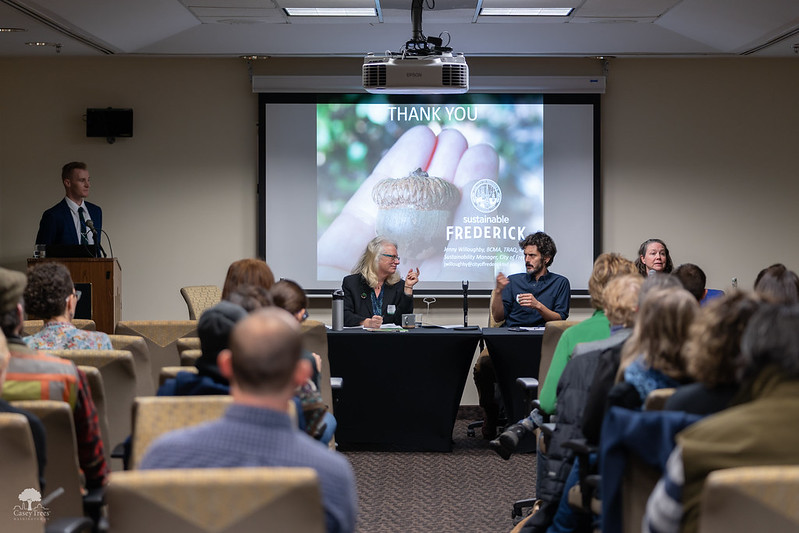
x=36, y=376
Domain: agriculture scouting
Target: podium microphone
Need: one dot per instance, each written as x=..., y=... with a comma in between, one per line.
x=96, y=235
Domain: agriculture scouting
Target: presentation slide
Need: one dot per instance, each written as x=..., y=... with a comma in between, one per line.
x=456, y=181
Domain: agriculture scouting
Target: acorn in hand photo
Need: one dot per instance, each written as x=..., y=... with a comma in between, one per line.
x=414, y=212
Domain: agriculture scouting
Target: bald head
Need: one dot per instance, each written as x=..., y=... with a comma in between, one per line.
x=265, y=348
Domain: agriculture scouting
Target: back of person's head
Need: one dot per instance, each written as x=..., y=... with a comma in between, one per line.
x=247, y=272
x=661, y=329
x=543, y=243
x=12, y=287
x=692, y=278
x=771, y=339
x=214, y=329
x=49, y=286
x=265, y=349
x=656, y=281
x=289, y=295
x=250, y=297
x=713, y=348
x=778, y=285
x=367, y=263
x=621, y=299
x=606, y=267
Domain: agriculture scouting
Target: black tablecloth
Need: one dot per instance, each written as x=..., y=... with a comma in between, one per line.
x=400, y=389
x=514, y=354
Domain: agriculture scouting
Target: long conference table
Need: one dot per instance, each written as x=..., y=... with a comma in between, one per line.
x=402, y=389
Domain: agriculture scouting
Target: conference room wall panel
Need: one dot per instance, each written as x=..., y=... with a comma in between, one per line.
x=700, y=152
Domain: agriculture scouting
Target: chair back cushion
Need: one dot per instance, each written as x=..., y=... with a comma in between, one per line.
x=119, y=384
x=97, y=389
x=20, y=469
x=62, y=455
x=199, y=298
x=218, y=500
x=752, y=498
x=161, y=337
x=155, y=415
x=137, y=346
x=552, y=332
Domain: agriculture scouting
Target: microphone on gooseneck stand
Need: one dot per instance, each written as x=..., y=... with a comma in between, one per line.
x=96, y=235
x=465, y=304
x=466, y=309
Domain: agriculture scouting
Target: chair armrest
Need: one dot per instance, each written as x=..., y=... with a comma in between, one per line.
x=580, y=447
x=528, y=385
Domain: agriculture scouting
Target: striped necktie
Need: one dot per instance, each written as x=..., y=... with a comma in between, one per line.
x=83, y=239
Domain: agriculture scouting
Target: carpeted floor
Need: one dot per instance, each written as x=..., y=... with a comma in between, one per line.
x=469, y=490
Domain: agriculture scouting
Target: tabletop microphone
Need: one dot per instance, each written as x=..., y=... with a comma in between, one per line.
x=465, y=303
x=466, y=325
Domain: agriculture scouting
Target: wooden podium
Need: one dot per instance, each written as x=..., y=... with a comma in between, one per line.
x=105, y=277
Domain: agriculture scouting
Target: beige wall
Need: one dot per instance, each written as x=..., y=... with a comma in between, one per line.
x=699, y=152
x=179, y=198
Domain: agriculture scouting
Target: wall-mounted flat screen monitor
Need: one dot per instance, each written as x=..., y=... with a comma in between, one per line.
x=109, y=122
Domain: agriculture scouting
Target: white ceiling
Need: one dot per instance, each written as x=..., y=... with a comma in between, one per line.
x=761, y=28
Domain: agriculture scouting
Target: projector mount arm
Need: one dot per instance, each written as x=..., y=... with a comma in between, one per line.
x=419, y=45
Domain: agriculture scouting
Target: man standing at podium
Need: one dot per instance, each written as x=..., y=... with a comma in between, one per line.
x=65, y=222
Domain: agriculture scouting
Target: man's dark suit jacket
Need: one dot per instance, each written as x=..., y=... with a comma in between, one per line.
x=358, y=300
x=58, y=227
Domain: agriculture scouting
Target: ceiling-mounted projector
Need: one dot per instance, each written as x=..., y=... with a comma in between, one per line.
x=439, y=74
x=423, y=66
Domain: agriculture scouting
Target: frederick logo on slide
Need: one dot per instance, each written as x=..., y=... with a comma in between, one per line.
x=486, y=196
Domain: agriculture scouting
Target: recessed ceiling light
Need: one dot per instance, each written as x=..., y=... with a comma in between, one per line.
x=9, y=30
x=330, y=11
x=526, y=11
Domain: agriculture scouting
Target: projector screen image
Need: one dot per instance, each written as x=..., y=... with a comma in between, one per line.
x=456, y=181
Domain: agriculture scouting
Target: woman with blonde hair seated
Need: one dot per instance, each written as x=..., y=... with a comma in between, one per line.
x=375, y=292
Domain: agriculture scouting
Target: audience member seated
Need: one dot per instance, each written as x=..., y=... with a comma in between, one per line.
x=693, y=279
x=653, y=256
x=608, y=367
x=652, y=358
x=262, y=366
x=777, y=284
x=37, y=428
x=247, y=272
x=213, y=329
x=250, y=297
x=316, y=420
x=711, y=354
x=51, y=295
x=620, y=299
x=33, y=375
x=761, y=430
x=606, y=267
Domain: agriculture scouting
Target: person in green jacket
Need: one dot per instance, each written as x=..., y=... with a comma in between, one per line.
x=606, y=267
